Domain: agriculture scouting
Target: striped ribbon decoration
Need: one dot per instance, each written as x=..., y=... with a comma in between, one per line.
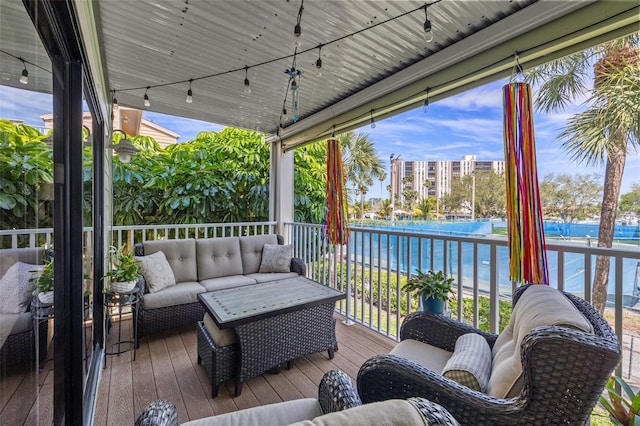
x=527, y=246
x=336, y=226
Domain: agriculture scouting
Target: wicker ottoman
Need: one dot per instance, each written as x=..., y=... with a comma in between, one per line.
x=220, y=362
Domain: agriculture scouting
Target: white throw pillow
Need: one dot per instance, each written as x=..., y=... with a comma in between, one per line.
x=156, y=271
x=16, y=287
x=470, y=364
x=275, y=258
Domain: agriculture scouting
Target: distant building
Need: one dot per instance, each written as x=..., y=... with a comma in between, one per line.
x=438, y=174
x=131, y=122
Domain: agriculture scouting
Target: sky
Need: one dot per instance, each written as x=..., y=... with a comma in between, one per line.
x=466, y=124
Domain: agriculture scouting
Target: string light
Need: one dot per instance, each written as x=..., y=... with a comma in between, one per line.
x=297, y=30
x=114, y=100
x=285, y=115
x=147, y=102
x=373, y=122
x=247, y=83
x=24, y=78
x=319, y=63
x=425, y=104
x=189, y=98
x=428, y=31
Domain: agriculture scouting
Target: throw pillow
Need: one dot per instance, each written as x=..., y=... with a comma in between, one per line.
x=470, y=364
x=275, y=258
x=16, y=287
x=156, y=271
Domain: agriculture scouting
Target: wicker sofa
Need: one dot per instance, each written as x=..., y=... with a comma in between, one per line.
x=563, y=369
x=338, y=404
x=18, y=348
x=201, y=265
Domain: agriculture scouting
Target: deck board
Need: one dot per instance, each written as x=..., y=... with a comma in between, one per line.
x=166, y=367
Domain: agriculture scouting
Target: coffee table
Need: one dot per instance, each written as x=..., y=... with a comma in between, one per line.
x=275, y=321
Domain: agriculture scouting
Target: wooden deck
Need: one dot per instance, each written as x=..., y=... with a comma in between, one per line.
x=166, y=368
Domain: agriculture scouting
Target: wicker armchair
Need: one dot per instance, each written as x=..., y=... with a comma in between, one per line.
x=335, y=393
x=564, y=372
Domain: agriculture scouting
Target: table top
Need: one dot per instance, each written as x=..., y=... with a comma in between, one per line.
x=241, y=305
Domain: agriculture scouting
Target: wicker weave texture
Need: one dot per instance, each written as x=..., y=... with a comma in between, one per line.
x=267, y=343
x=158, y=413
x=336, y=392
x=155, y=320
x=564, y=373
x=18, y=349
x=221, y=363
x=434, y=414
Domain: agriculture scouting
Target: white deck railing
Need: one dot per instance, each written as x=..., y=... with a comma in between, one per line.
x=371, y=267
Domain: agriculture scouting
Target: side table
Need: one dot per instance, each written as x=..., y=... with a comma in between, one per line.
x=118, y=302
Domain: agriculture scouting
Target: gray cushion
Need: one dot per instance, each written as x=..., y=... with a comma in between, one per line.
x=16, y=287
x=251, y=249
x=282, y=413
x=27, y=255
x=181, y=255
x=539, y=305
x=227, y=282
x=276, y=258
x=272, y=276
x=393, y=412
x=222, y=338
x=218, y=257
x=19, y=322
x=470, y=364
x=423, y=354
x=178, y=294
x=156, y=271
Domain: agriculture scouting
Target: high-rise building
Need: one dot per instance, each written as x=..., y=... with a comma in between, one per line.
x=433, y=178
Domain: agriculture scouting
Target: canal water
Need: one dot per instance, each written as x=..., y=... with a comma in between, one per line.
x=574, y=265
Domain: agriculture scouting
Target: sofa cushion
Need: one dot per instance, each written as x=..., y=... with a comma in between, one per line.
x=181, y=255
x=218, y=257
x=156, y=271
x=282, y=413
x=222, y=338
x=276, y=258
x=251, y=249
x=470, y=364
x=26, y=255
x=392, y=412
x=271, y=276
x=423, y=354
x=539, y=305
x=16, y=287
x=178, y=294
x=227, y=282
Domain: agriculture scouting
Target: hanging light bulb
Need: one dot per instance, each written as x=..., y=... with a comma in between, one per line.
x=247, y=83
x=285, y=116
x=189, y=98
x=425, y=104
x=114, y=100
x=428, y=31
x=319, y=63
x=147, y=102
x=373, y=122
x=297, y=30
x=24, y=78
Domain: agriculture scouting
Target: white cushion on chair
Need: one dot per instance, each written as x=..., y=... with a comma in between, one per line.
x=539, y=305
x=426, y=355
x=221, y=337
x=282, y=413
x=470, y=364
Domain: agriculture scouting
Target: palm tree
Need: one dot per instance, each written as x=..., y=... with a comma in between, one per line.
x=605, y=131
x=361, y=161
x=425, y=207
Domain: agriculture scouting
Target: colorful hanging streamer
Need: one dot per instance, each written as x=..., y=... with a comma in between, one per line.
x=527, y=247
x=336, y=226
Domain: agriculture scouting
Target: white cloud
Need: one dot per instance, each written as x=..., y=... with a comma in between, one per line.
x=484, y=97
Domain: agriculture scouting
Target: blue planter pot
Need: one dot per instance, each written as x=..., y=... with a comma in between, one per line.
x=433, y=305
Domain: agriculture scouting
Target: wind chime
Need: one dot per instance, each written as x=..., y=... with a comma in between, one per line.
x=527, y=254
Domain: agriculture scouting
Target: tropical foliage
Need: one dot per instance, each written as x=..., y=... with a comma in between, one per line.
x=606, y=130
x=570, y=197
x=217, y=177
x=623, y=407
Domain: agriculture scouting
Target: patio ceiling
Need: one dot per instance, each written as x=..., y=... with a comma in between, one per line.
x=381, y=71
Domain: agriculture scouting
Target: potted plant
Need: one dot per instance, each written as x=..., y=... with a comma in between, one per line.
x=43, y=283
x=433, y=288
x=125, y=273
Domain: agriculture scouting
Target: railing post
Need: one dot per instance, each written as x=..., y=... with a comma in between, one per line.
x=348, y=315
x=494, y=295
